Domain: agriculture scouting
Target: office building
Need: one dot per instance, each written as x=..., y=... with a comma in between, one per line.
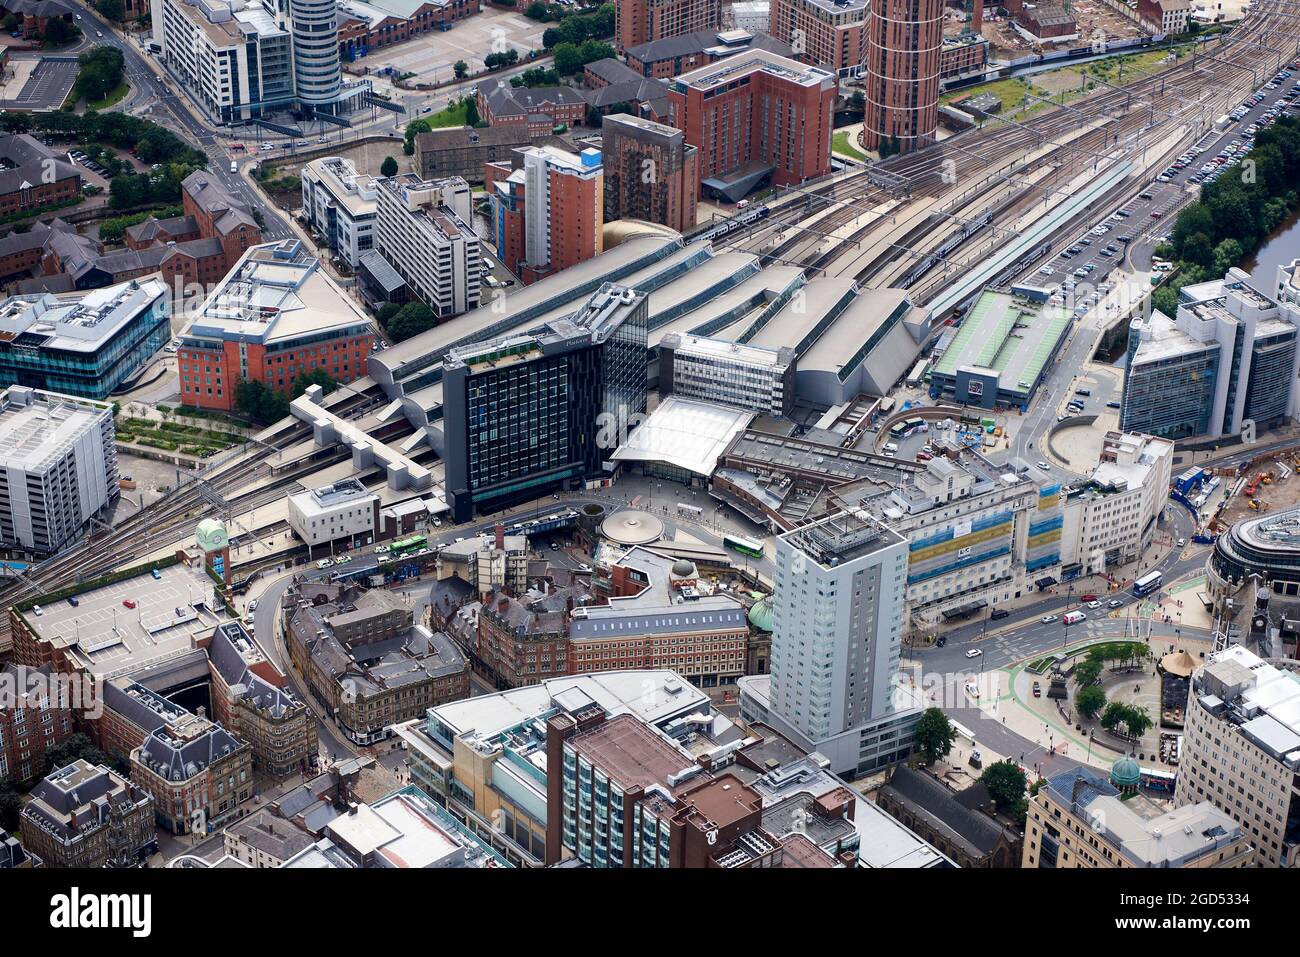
x=423, y=232
x=641, y=21
x=83, y=345
x=33, y=176
x=346, y=512
x=837, y=628
x=714, y=370
x=1079, y=820
x=755, y=116
x=242, y=59
x=1252, y=578
x=250, y=696
x=60, y=468
x=365, y=658
x=340, y=206
x=524, y=414
x=1228, y=357
x=525, y=641
x=404, y=829
x=1241, y=749
x=1165, y=16
x=829, y=33
x=651, y=172
x=904, y=50
x=36, y=714
x=85, y=816
x=198, y=774
x=564, y=210
x=1110, y=518
x=275, y=316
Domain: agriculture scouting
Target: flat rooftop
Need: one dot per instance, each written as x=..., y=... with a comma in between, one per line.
x=77, y=322
x=1010, y=334
x=37, y=427
x=108, y=639
x=685, y=433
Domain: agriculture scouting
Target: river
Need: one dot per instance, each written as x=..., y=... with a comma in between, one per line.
x=1282, y=248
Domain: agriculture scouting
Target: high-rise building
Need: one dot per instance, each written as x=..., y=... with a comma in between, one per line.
x=1228, y=357
x=340, y=205
x=904, y=49
x=1241, y=749
x=318, y=75
x=423, y=232
x=59, y=471
x=640, y=21
x=88, y=816
x=836, y=640
x=651, y=172
x=526, y=414
x=564, y=209
x=714, y=370
x=753, y=116
x=829, y=33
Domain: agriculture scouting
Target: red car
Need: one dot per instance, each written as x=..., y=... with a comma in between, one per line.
x=1088, y=598
x=128, y=602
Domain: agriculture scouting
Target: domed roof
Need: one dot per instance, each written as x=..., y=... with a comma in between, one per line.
x=760, y=615
x=1125, y=772
x=684, y=568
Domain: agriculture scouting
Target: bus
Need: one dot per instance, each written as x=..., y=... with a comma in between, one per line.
x=690, y=509
x=899, y=431
x=1147, y=584
x=743, y=545
x=407, y=545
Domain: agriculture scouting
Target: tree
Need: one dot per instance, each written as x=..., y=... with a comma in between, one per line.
x=388, y=167
x=461, y=69
x=1005, y=782
x=413, y=129
x=259, y=402
x=471, y=112
x=306, y=380
x=112, y=9
x=1088, y=671
x=59, y=31
x=78, y=746
x=413, y=319
x=101, y=71
x=1089, y=701
x=386, y=313
x=934, y=735
x=11, y=805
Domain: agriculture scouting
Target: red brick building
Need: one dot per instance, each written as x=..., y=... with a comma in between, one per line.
x=651, y=172
x=540, y=109
x=829, y=33
x=358, y=36
x=641, y=21
x=904, y=48
x=33, y=176
x=753, y=115
x=35, y=719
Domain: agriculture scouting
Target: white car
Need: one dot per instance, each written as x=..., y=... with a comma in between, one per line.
x=974, y=653
x=1044, y=466
x=1182, y=542
x=381, y=549
x=1093, y=604
x=972, y=689
x=342, y=559
x=1047, y=619
x=324, y=563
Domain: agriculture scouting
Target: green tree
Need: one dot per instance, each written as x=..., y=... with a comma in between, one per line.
x=413, y=129
x=306, y=380
x=259, y=402
x=1089, y=701
x=471, y=112
x=1005, y=782
x=386, y=313
x=934, y=735
x=568, y=60
x=59, y=31
x=1088, y=671
x=77, y=746
x=11, y=805
x=461, y=69
x=114, y=10
x=101, y=71
x=388, y=167
x=413, y=319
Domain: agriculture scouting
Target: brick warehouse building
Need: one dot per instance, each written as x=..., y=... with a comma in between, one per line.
x=33, y=176
x=379, y=26
x=755, y=115
x=641, y=21
x=904, y=52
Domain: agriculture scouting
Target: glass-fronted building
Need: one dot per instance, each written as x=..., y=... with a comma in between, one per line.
x=525, y=414
x=85, y=345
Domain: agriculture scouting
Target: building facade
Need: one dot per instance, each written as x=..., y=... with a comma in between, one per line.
x=32, y=176
x=340, y=206
x=523, y=414
x=748, y=377
x=60, y=468
x=464, y=151
x=34, y=718
x=85, y=816
x=641, y=21
x=564, y=210
x=904, y=50
x=196, y=771
x=829, y=33
x=423, y=231
x=346, y=512
x=651, y=172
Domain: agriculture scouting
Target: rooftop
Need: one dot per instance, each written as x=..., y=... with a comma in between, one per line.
x=686, y=433
x=753, y=61
x=1011, y=334
x=77, y=322
x=37, y=428
x=841, y=538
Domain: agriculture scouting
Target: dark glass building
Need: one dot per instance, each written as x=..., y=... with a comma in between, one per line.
x=528, y=414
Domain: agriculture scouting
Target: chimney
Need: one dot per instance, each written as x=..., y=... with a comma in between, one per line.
x=501, y=537
x=976, y=15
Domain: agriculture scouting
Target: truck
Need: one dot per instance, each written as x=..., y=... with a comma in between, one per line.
x=1223, y=122
x=1074, y=617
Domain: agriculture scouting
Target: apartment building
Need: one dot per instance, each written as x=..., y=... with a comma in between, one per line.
x=564, y=210
x=641, y=21
x=341, y=206
x=753, y=116
x=1079, y=820
x=651, y=172
x=34, y=717
x=1227, y=358
x=423, y=231
x=523, y=413
x=275, y=316
x=1241, y=749
x=829, y=33
x=60, y=468
x=1165, y=16
x=1110, y=518
x=903, y=63
x=749, y=377
x=672, y=56
x=85, y=816
x=85, y=344
x=346, y=512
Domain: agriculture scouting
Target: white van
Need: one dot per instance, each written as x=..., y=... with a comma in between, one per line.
x=1074, y=617
x=234, y=167
x=891, y=448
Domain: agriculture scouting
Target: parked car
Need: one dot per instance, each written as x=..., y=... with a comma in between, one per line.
x=1038, y=690
x=128, y=602
x=998, y=613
